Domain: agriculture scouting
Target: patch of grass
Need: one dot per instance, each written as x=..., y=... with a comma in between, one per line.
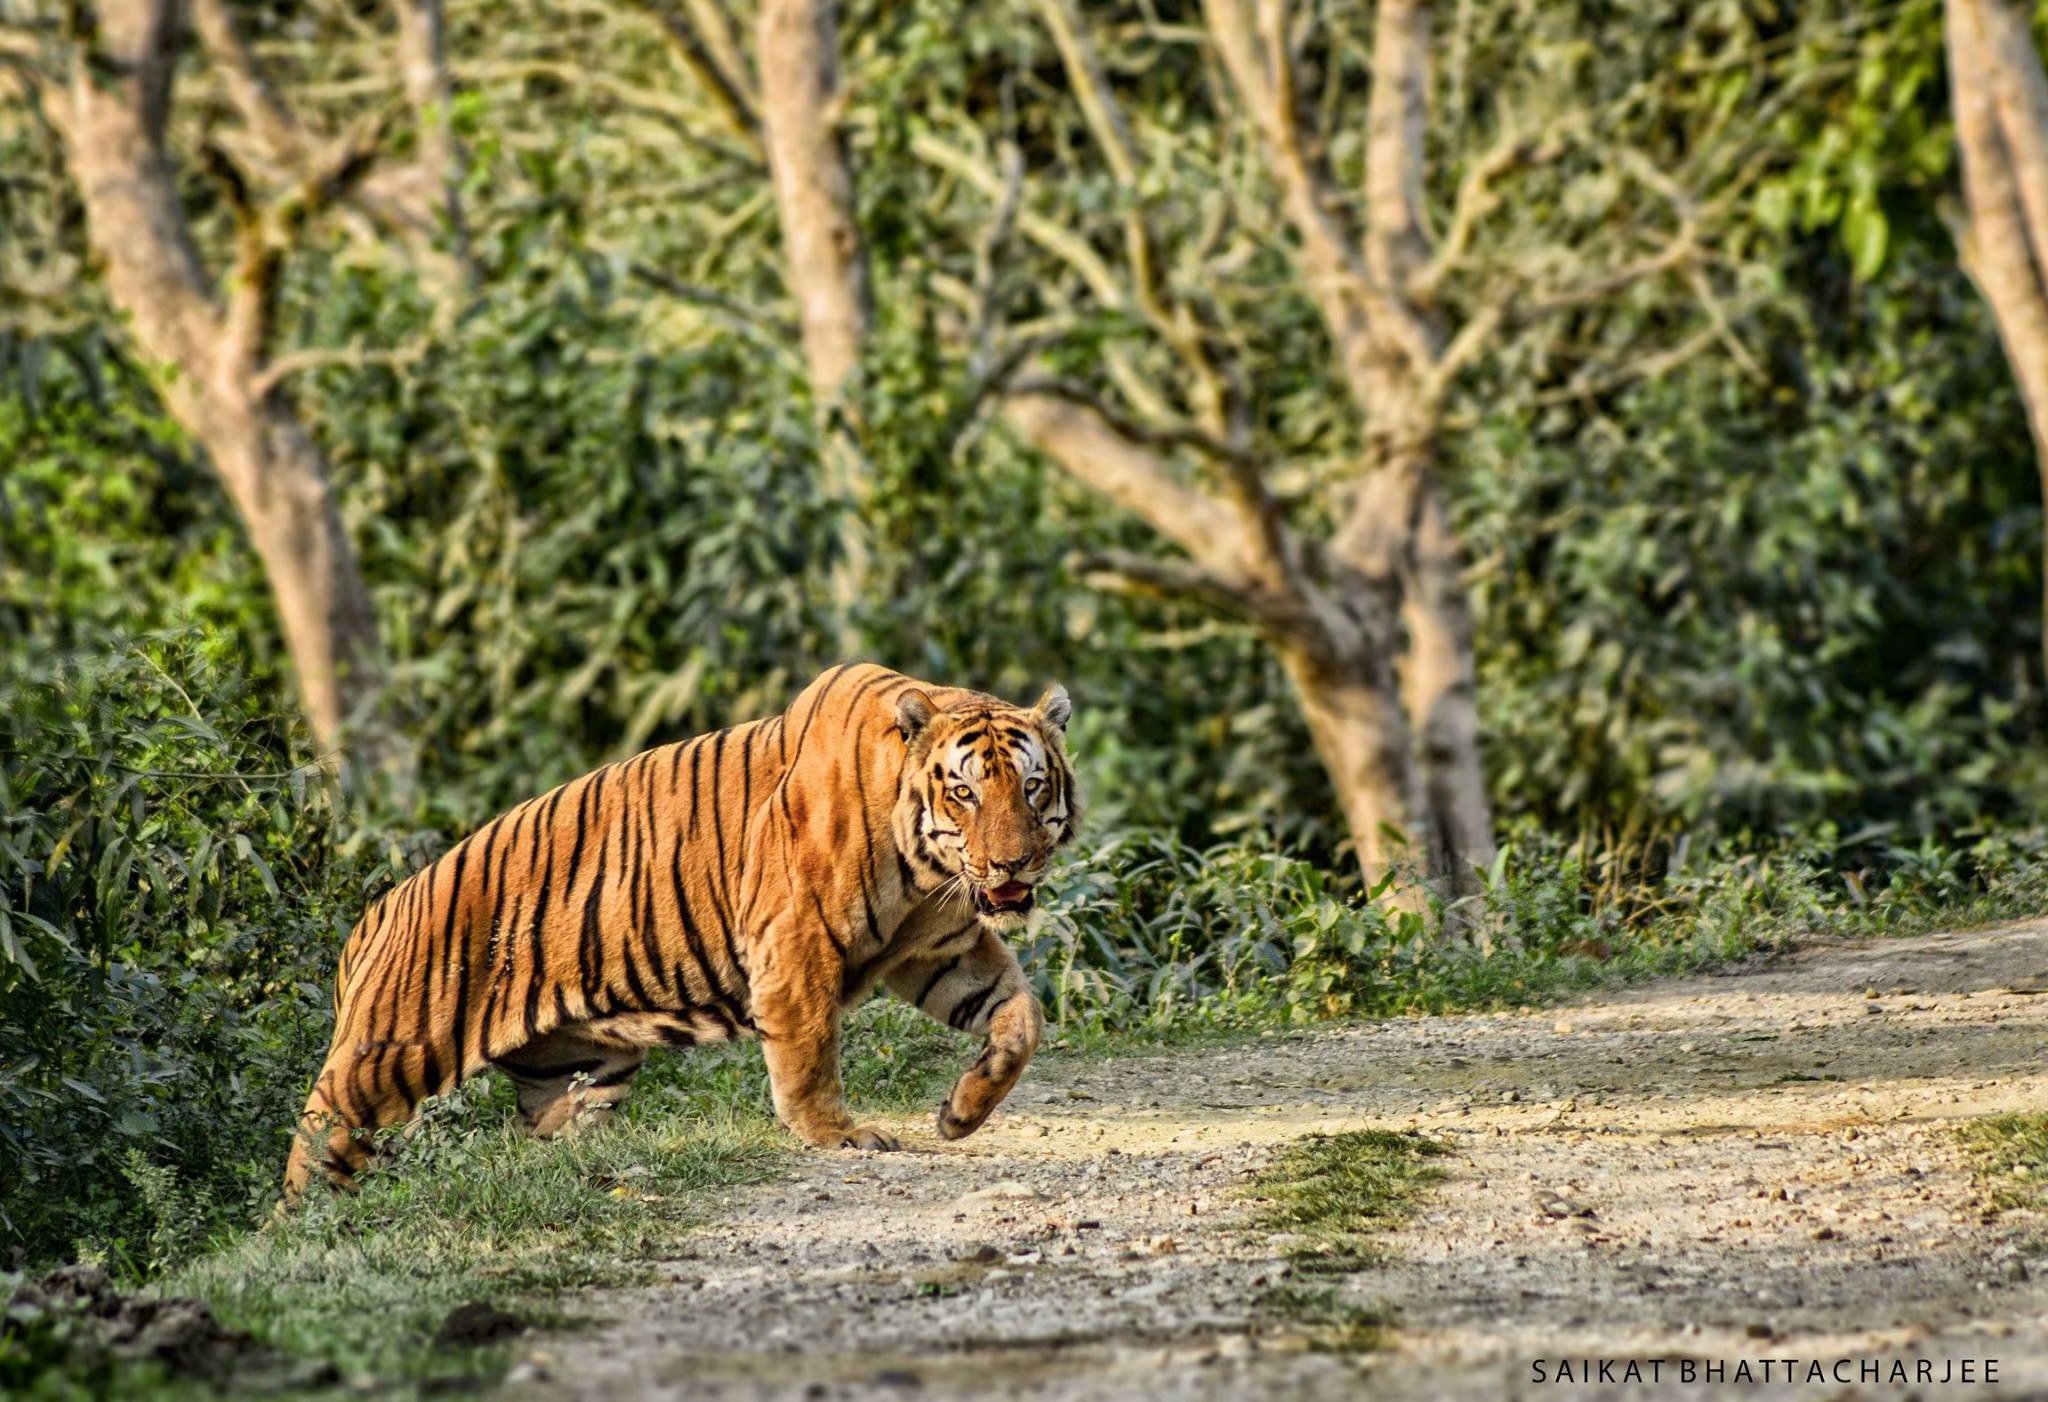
x=1333, y=1324
x=1333, y=1193
x=472, y=1210
x=2012, y=1158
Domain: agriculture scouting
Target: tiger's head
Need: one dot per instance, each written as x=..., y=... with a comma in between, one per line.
x=987, y=797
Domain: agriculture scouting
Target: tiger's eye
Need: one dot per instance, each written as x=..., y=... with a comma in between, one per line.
x=962, y=793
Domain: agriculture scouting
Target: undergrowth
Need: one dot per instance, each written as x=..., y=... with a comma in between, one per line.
x=2011, y=1153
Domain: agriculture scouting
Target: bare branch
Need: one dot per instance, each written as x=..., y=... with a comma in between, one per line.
x=1174, y=320
x=1055, y=238
x=1089, y=447
x=746, y=317
x=249, y=88
x=1154, y=577
x=1479, y=195
x=356, y=357
x=1395, y=241
x=1360, y=313
x=723, y=85
x=1091, y=90
x=1163, y=437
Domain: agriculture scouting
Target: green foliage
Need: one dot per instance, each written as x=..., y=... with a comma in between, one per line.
x=2011, y=1153
x=173, y=902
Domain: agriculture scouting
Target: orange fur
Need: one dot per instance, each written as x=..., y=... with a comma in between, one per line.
x=754, y=882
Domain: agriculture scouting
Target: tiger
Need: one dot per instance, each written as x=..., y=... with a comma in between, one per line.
x=757, y=882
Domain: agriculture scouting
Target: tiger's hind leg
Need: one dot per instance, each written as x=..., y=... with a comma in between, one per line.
x=566, y=1081
x=362, y=1089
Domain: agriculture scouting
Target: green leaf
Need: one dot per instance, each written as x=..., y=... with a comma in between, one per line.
x=1865, y=233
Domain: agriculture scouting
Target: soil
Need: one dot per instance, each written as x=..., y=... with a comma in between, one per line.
x=96, y=1325
x=1758, y=1166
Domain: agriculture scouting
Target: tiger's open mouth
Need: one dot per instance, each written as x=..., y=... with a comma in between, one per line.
x=1010, y=898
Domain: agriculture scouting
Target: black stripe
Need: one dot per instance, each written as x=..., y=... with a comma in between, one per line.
x=964, y=1014
x=824, y=921
x=452, y=970
x=933, y=982
x=526, y=1071
x=592, y=795
x=536, y=952
x=696, y=783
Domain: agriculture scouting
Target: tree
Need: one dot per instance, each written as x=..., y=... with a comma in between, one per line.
x=209, y=339
x=1365, y=607
x=1367, y=610
x=2000, y=95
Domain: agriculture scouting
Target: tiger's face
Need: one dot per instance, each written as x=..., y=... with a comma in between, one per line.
x=988, y=796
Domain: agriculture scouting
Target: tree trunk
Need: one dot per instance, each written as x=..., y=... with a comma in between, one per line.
x=279, y=483
x=112, y=132
x=1997, y=87
x=797, y=52
x=1439, y=684
x=1353, y=710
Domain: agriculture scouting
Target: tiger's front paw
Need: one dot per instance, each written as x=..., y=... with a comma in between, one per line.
x=952, y=1126
x=868, y=1137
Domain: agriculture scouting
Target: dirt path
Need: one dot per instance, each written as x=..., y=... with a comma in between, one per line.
x=1767, y=1158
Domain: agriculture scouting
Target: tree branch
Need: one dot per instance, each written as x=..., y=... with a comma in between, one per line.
x=1176, y=581
x=1090, y=448
x=1055, y=238
x=723, y=85
x=249, y=88
x=1396, y=243
x=299, y=362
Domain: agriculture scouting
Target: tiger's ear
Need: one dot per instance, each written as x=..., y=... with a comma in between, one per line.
x=1055, y=706
x=914, y=711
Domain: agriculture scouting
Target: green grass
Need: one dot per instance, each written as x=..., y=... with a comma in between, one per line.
x=1334, y=1193
x=475, y=1211
x=469, y=1209
x=2011, y=1152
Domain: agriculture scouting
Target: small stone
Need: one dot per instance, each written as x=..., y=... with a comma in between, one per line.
x=1162, y=1246
x=980, y=1254
x=1761, y=1331
x=1033, y=1131
x=475, y=1324
x=1824, y=1234
x=1009, y=1190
